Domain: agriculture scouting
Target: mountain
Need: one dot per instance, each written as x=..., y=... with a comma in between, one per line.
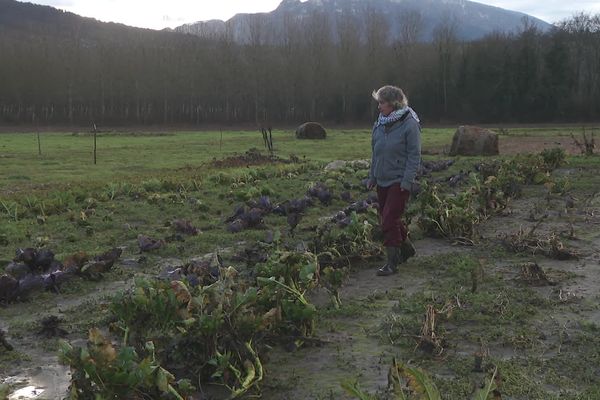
x=471, y=20
x=26, y=21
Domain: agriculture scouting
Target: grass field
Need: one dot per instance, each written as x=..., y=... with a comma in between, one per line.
x=67, y=158
x=542, y=338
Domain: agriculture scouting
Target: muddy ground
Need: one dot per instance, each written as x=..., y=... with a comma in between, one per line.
x=356, y=340
x=550, y=358
x=544, y=338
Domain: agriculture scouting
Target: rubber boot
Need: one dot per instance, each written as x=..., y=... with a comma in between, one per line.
x=407, y=250
x=391, y=266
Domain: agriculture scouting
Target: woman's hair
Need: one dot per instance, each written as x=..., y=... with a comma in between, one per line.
x=391, y=94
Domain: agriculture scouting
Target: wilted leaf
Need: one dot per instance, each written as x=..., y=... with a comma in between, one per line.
x=182, y=293
x=308, y=271
x=150, y=346
x=250, y=374
x=353, y=389
x=417, y=380
x=4, y=391
x=162, y=379
x=230, y=273
x=484, y=394
x=270, y=317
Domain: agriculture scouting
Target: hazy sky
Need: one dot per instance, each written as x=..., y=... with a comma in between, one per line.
x=159, y=14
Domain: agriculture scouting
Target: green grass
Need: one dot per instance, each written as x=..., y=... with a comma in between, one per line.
x=67, y=158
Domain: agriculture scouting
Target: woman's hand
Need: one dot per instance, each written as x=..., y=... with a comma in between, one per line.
x=370, y=184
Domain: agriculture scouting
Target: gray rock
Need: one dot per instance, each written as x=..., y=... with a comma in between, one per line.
x=336, y=165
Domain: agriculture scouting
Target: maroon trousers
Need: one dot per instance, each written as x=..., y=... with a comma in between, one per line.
x=392, y=203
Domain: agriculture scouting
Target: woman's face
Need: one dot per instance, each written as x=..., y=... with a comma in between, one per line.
x=385, y=108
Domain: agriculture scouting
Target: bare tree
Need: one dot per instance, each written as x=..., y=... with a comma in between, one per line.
x=349, y=31
x=256, y=25
x=410, y=31
x=377, y=38
x=445, y=41
x=584, y=32
x=293, y=54
x=411, y=28
x=318, y=47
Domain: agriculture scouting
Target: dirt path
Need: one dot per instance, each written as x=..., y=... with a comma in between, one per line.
x=350, y=351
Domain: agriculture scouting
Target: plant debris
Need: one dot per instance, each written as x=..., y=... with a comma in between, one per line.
x=528, y=242
x=185, y=227
x=321, y=192
x=533, y=274
x=251, y=157
x=147, y=243
x=38, y=260
x=21, y=279
x=101, y=263
x=429, y=340
x=50, y=327
x=4, y=342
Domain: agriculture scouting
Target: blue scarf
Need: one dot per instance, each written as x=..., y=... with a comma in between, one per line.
x=395, y=116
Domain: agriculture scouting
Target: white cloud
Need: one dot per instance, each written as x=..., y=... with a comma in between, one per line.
x=159, y=14
x=548, y=10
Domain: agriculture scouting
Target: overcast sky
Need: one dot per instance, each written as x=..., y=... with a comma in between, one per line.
x=160, y=14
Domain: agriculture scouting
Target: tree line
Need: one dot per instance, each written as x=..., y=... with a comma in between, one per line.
x=314, y=72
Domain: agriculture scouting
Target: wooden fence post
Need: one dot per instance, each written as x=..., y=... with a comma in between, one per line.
x=37, y=134
x=95, y=131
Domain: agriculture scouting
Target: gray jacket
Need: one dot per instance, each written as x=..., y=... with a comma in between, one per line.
x=396, y=153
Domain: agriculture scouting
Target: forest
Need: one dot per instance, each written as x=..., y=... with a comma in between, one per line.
x=79, y=71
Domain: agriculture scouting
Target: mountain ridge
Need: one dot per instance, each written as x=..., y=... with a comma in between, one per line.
x=472, y=20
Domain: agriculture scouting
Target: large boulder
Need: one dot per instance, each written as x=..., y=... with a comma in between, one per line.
x=474, y=141
x=311, y=130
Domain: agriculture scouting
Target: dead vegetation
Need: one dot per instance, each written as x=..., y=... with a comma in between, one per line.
x=36, y=269
x=185, y=227
x=3, y=342
x=533, y=274
x=550, y=245
x=267, y=135
x=250, y=157
x=146, y=243
x=585, y=144
x=50, y=327
x=430, y=340
x=477, y=275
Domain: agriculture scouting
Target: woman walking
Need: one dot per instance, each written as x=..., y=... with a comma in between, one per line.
x=396, y=147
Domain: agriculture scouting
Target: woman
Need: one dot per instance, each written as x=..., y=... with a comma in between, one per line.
x=396, y=146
